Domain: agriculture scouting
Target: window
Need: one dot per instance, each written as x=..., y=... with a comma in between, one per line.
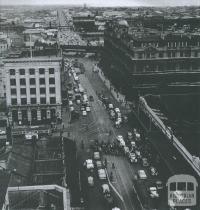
x=140, y=55
x=42, y=90
x=169, y=54
x=12, y=82
x=196, y=54
x=181, y=54
x=22, y=71
x=42, y=81
x=32, y=91
x=52, y=90
x=41, y=71
x=52, y=100
x=23, y=90
x=13, y=91
x=51, y=80
x=31, y=71
x=23, y=101
x=12, y=71
x=51, y=71
x=148, y=55
x=190, y=186
x=181, y=186
x=33, y=101
x=161, y=55
x=22, y=81
x=13, y=101
x=43, y=100
x=173, y=54
x=32, y=81
x=173, y=186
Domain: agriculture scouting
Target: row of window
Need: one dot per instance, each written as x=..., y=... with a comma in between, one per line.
x=33, y=101
x=31, y=71
x=32, y=81
x=169, y=54
x=32, y=90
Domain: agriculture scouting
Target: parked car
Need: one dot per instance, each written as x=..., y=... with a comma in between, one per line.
x=105, y=188
x=82, y=107
x=70, y=103
x=153, y=192
x=138, y=153
x=71, y=108
x=102, y=174
x=91, y=98
x=110, y=106
x=126, y=150
x=117, y=110
x=117, y=124
x=142, y=174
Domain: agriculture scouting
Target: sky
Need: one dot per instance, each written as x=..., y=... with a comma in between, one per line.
x=105, y=2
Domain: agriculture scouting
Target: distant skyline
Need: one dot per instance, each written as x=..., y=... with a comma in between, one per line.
x=104, y=2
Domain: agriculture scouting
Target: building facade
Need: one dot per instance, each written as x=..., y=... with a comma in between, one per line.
x=141, y=58
x=33, y=89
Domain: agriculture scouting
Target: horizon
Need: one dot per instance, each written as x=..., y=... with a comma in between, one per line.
x=102, y=3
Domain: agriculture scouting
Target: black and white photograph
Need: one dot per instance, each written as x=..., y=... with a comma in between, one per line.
x=99, y=105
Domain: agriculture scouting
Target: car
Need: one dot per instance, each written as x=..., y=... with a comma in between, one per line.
x=102, y=174
x=78, y=101
x=91, y=98
x=153, y=171
x=115, y=208
x=145, y=162
x=84, y=113
x=90, y=181
x=133, y=158
x=130, y=135
x=88, y=109
x=117, y=110
x=142, y=174
x=98, y=164
x=110, y=106
x=138, y=153
x=126, y=150
x=105, y=188
x=89, y=164
x=117, y=124
x=119, y=138
x=133, y=144
x=96, y=156
x=70, y=103
x=82, y=108
x=119, y=115
x=71, y=108
x=76, y=90
x=159, y=185
x=153, y=192
x=119, y=119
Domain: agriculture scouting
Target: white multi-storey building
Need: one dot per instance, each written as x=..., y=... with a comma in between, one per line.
x=33, y=89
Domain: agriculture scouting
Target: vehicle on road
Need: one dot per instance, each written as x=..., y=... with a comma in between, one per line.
x=90, y=181
x=88, y=109
x=78, y=101
x=120, y=140
x=98, y=164
x=117, y=124
x=96, y=156
x=70, y=103
x=159, y=185
x=105, y=188
x=106, y=193
x=82, y=107
x=91, y=98
x=102, y=174
x=71, y=108
x=132, y=158
x=153, y=171
x=117, y=110
x=138, y=153
x=110, y=106
x=153, y=192
x=142, y=174
x=89, y=164
x=84, y=113
x=126, y=150
x=145, y=162
x=130, y=136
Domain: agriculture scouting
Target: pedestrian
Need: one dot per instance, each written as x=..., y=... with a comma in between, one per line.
x=63, y=126
x=105, y=162
x=113, y=165
x=111, y=176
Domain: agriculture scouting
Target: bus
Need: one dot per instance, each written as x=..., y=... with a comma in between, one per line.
x=182, y=190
